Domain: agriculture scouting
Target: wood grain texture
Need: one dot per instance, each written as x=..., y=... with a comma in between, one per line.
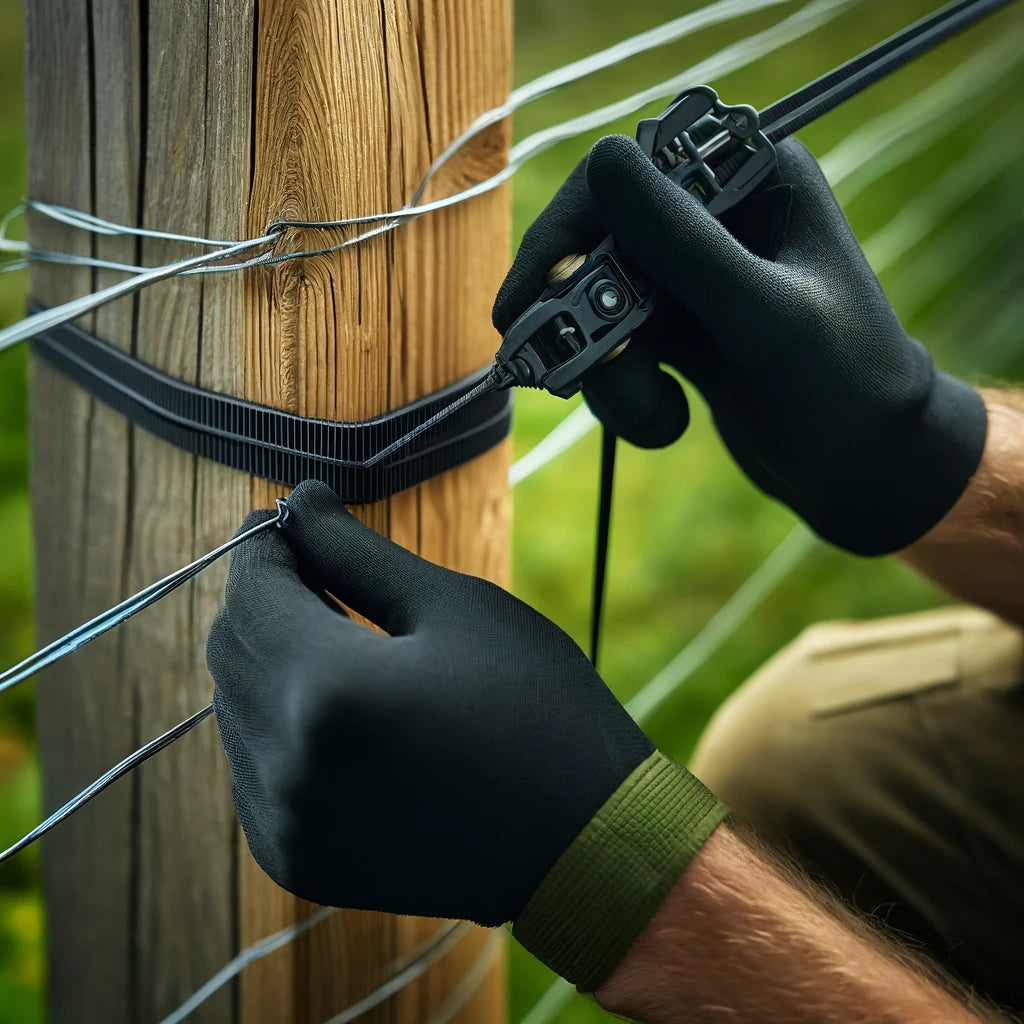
x=87, y=940
x=157, y=114
x=184, y=832
x=353, y=100
x=141, y=115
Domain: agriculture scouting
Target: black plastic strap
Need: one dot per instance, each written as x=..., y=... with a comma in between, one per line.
x=604, y=527
x=277, y=445
x=799, y=108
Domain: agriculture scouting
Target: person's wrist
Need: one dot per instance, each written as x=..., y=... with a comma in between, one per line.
x=616, y=873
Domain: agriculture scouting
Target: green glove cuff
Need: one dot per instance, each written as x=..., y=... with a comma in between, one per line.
x=615, y=874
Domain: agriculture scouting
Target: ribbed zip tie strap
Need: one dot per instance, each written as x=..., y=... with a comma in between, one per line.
x=277, y=445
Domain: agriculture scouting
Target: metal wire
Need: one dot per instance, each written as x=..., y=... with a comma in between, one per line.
x=449, y=935
x=50, y=318
x=106, y=779
x=725, y=61
x=249, y=955
x=426, y=954
x=482, y=965
x=95, y=627
x=602, y=60
x=574, y=427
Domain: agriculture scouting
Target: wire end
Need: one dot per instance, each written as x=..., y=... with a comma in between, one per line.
x=283, y=512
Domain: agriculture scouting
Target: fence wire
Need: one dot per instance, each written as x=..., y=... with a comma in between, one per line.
x=731, y=58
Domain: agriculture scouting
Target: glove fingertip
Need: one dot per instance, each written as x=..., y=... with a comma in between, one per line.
x=613, y=163
x=314, y=497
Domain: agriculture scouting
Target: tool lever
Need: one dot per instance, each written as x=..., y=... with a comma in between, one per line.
x=715, y=151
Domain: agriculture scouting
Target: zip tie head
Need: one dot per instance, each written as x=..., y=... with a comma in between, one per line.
x=283, y=512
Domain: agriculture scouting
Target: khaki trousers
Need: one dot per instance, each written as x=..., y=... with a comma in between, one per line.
x=888, y=758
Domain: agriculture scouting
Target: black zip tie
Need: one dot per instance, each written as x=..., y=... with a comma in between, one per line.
x=362, y=461
x=800, y=108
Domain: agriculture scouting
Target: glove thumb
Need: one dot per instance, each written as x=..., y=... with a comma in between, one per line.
x=375, y=577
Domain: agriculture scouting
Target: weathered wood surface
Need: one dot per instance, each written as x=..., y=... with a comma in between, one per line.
x=353, y=99
x=144, y=112
x=125, y=118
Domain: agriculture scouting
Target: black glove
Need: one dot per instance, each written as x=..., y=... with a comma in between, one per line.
x=443, y=769
x=776, y=317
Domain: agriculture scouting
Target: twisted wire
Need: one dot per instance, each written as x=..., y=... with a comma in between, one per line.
x=729, y=59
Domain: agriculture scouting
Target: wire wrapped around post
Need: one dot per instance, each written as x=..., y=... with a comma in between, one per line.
x=218, y=118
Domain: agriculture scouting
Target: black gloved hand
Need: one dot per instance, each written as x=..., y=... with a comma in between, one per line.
x=776, y=317
x=469, y=764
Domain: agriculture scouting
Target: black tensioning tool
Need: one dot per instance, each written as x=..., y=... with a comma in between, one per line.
x=719, y=153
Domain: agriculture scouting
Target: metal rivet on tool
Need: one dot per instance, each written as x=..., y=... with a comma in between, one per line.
x=609, y=298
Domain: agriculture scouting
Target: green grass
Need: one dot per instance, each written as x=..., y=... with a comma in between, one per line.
x=688, y=528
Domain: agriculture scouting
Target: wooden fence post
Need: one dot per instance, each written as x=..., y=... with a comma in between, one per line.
x=211, y=117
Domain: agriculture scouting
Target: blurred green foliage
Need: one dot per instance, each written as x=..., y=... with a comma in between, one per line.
x=688, y=528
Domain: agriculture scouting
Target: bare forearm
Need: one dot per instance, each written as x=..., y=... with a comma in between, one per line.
x=737, y=941
x=977, y=551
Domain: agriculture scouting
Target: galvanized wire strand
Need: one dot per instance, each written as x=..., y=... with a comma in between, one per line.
x=736, y=610
x=891, y=138
x=555, y=998
x=654, y=38
x=602, y=60
x=249, y=955
x=10, y=244
x=449, y=935
x=427, y=953
x=53, y=317
x=104, y=622
x=475, y=975
x=572, y=428
x=106, y=779
x=729, y=59
x=100, y=226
